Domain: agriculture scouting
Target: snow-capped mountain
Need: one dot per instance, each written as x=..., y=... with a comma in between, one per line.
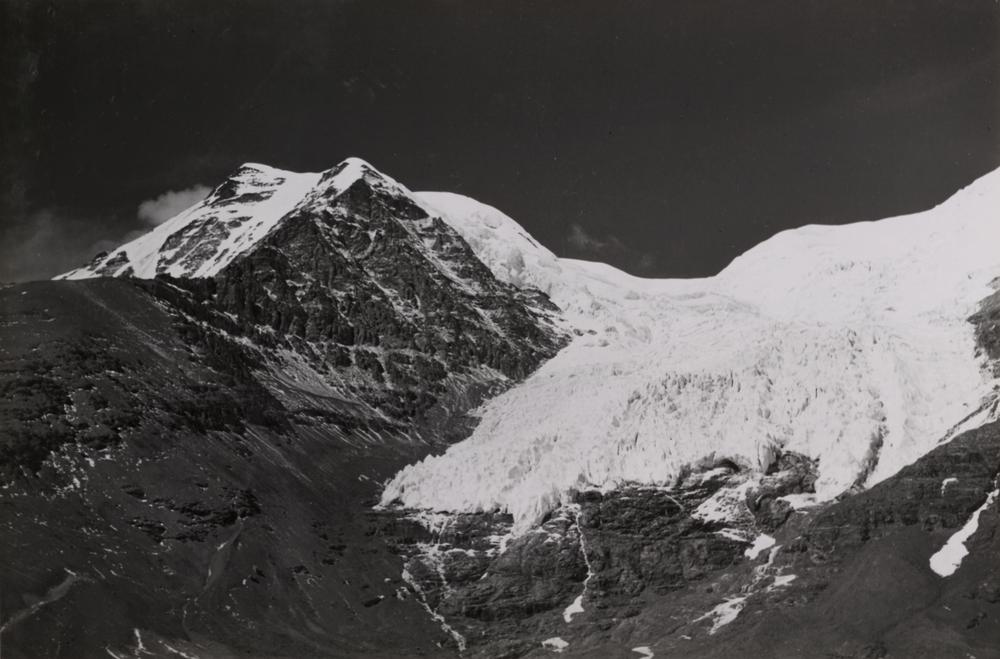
x=846, y=344
x=262, y=415
x=236, y=215
x=203, y=239
x=191, y=447
x=381, y=300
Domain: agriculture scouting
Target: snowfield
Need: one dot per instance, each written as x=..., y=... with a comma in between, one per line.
x=849, y=344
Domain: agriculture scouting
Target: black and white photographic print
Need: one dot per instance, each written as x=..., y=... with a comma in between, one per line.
x=376, y=329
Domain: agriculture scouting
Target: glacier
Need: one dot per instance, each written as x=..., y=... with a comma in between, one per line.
x=848, y=344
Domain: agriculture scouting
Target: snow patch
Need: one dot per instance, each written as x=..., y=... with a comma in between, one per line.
x=800, y=501
x=577, y=604
x=724, y=613
x=180, y=653
x=573, y=609
x=948, y=559
x=732, y=534
x=555, y=644
x=730, y=608
x=760, y=543
x=725, y=505
x=437, y=617
x=782, y=580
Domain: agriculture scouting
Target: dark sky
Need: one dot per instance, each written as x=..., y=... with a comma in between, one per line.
x=665, y=137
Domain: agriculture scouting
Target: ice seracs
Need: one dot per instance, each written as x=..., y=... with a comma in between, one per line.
x=846, y=344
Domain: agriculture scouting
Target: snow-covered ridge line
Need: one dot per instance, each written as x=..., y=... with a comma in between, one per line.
x=844, y=343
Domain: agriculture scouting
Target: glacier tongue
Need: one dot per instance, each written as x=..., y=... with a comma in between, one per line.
x=848, y=344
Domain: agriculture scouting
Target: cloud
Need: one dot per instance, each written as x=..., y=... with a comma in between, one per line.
x=153, y=212
x=47, y=241
x=645, y=263
x=108, y=244
x=905, y=92
x=580, y=239
x=610, y=248
x=44, y=243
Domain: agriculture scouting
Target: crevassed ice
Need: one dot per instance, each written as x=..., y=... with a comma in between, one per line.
x=848, y=344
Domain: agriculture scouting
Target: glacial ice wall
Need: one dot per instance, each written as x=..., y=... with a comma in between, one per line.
x=848, y=344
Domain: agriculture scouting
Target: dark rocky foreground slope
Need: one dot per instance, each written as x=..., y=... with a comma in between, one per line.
x=157, y=493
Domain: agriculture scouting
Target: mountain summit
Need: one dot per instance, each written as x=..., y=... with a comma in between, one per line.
x=236, y=215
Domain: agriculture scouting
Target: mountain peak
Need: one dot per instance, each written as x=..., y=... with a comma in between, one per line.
x=355, y=161
x=259, y=167
x=201, y=240
x=239, y=212
x=351, y=170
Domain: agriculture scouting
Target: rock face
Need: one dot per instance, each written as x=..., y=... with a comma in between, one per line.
x=368, y=283
x=378, y=299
